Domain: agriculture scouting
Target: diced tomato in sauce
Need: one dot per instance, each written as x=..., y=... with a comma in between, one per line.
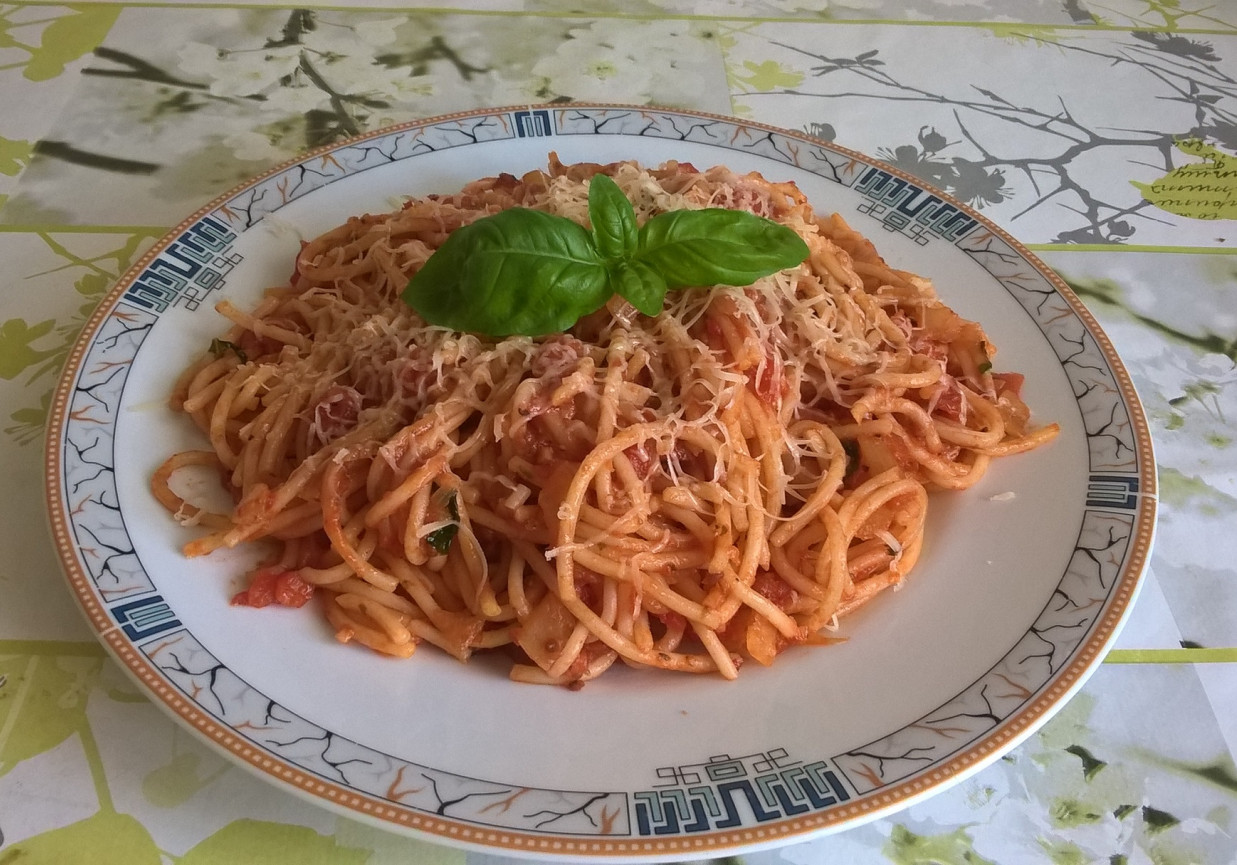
x=948, y=404
x=274, y=586
x=642, y=458
x=775, y=589
x=672, y=620
x=1008, y=382
x=589, y=585
x=768, y=381
x=336, y=412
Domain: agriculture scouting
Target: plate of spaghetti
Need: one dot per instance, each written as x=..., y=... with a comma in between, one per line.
x=600, y=482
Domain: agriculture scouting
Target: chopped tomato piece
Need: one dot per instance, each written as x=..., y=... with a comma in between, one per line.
x=672, y=620
x=336, y=412
x=775, y=589
x=642, y=458
x=1008, y=382
x=768, y=381
x=274, y=586
x=948, y=404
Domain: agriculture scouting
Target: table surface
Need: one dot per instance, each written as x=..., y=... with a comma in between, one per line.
x=1101, y=133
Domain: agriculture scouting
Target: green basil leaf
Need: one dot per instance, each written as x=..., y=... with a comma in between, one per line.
x=519, y=271
x=440, y=539
x=527, y=272
x=853, y=456
x=715, y=246
x=613, y=219
x=642, y=286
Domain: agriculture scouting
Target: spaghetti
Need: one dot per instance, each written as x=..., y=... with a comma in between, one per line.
x=683, y=491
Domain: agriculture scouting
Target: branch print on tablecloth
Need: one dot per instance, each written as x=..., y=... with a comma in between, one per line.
x=1109, y=293
x=1186, y=388
x=158, y=128
x=335, y=76
x=991, y=143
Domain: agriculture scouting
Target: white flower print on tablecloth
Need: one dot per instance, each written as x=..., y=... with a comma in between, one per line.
x=156, y=129
x=636, y=64
x=1173, y=320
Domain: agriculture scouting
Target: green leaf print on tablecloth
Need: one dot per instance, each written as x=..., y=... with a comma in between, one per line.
x=1160, y=14
x=35, y=350
x=14, y=155
x=69, y=38
x=1101, y=783
x=42, y=703
x=1189, y=403
x=950, y=848
x=769, y=75
x=258, y=841
x=110, y=838
x=389, y=848
x=1201, y=190
x=1096, y=796
x=177, y=782
x=17, y=350
x=53, y=38
x=1183, y=491
x=118, y=839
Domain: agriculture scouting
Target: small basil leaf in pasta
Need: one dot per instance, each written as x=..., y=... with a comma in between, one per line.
x=613, y=219
x=854, y=457
x=517, y=272
x=220, y=347
x=717, y=247
x=440, y=539
x=640, y=285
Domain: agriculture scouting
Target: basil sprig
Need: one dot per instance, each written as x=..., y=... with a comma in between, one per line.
x=527, y=272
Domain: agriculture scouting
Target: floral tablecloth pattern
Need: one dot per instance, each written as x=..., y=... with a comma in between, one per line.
x=1102, y=134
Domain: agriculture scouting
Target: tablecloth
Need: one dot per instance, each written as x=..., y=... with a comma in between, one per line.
x=1101, y=133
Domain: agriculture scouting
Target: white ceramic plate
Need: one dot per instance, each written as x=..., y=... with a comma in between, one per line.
x=1013, y=603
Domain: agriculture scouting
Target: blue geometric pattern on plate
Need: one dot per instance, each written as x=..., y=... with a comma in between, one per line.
x=719, y=794
x=188, y=269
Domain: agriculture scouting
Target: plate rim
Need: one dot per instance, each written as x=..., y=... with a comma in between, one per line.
x=970, y=758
